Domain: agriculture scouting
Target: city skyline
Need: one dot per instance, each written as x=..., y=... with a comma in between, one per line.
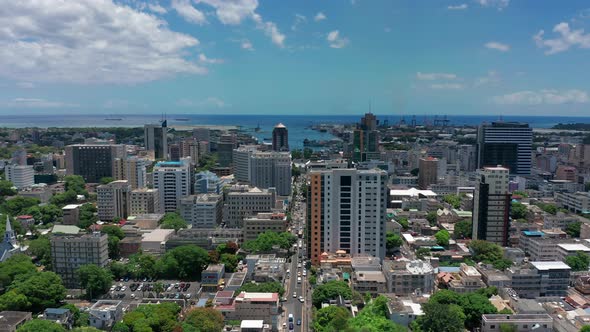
x=297, y=57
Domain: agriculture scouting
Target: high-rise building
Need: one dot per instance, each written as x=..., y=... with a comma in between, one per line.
x=114, y=200
x=174, y=152
x=365, y=144
x=132, y=169
x=242, y=201
x=508, y=144
x=202, y=211
x=280, y=138
x=346, y=211
x=225, y=152
x=156, y=139
x=70, y=252
x=93, y=161
x=20, y=176
x=271, y=169
x=428, y=172
x=491, y=206
x=145, y=201
x=173, y=180
x=241, y=159
x=207, y=183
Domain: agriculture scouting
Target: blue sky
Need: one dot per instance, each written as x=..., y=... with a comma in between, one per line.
x=504, y=57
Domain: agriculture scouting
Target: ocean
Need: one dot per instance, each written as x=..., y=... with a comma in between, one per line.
x=298, y=125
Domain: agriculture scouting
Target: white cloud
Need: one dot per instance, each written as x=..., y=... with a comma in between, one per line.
x=204, y=59
x=188, y=12
x=447, y=86
x=499, y=4
x=320, y=17
x=497, y=46
x=156, y=8
x=547, y=96
x=299, y=19
x=462, y=6
x=36, y=103
x=492, y=78
x=335, y=40
x=210, y=102
x=247, y=45
x=567, y=38
x=435, y=76
x=89, y=41
x=233, y=12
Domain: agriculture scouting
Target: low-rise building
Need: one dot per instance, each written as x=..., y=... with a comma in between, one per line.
x=522, y=323
x=212, y=276
x=154, y=242
x=265, y=267
x=105, y=313
x=540, y=279
x=578, y=202
x=208, y=238
x=409, y=277
x=467, y=280
x=10, y=321
x=565, y=250
x=71, y=214
x=256, y=306
x=372, y=282
x=262, y=222
x=62, y=316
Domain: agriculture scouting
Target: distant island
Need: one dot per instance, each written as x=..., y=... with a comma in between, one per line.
x=572, y=126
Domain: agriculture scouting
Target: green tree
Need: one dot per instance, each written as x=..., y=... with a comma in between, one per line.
x=518, y=210
x=184, y=262
x=94, y=279
x=115, y=236
x=41, y=248
x=155, y=317
x=549, y=208
x=113, y=230
x=205, y=319
x=484, y=251
x=585, y=328
x=374, y=318
x=229, y=247
x=442, y=237
x=441, y=317
x=331, y=319
x=403, y=221
x=14, y=301
x=415, y=171
x=37, y=325
x=19, y=266
x=264, y=287
x=87, y=215
x=230, y=261
x=422, y=252
x=267, y=240
x=67, y=197
x=42, y=289
x=463, y=229
x=432, y=217
x=453, y=200
x=173, y=220
x=18, y=205
x=7, y=188
x=573, y=229
x=507, y=327
x=118, y=270
x=392, y=242
x=578, y=262
x=86, y=329
x=475, y=305
x=75, y=183
x=106, y=180
x=330, y=290
x=521, y=193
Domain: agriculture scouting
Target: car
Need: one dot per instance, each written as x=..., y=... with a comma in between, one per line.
x=299, y=273
x=295, y=294
x=291, y=327
x=301, y=299
x=298, y=280
x=118, y=288
x=299, y=322
x=123, y=288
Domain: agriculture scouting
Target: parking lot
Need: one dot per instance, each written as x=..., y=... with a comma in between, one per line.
x=131, y=290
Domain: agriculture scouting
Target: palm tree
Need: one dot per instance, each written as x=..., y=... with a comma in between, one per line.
x=158, y=288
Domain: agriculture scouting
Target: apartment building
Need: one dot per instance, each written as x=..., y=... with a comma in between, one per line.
x=409, y=277
x=491, y=206
x=173, y=181
x=20, y=176
x=114, y=200
x=145, y=201
x=203, y=210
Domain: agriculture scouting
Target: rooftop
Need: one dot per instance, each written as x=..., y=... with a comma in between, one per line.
x=412, y=192
x=252, y=324
x=105, y=305
x=157, y=235
x=554, y=265
x=65, y=229
x=573, y=247
x=257, y=297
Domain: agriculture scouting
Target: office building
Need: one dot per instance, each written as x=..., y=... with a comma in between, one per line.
x=132, y=169
x=173, y=181
x=347, y=211
x=203, y=210
x=113, y=200
x=241, y=159
x=491, y=206
x=365, y=144
x=70, y=252
x=243, y=201
x=540, y=279
x=207, y=183
x=271, y=169
x=225, y=153
x=262, y=222
x=93, y=162
x=428, y=172
x=145, y=201
x=508, y=144
x=156, y=139
x=20, y=176
x=280, y=138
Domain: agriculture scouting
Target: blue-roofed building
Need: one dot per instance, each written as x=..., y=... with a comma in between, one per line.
x=61, y=316
x=207, y=183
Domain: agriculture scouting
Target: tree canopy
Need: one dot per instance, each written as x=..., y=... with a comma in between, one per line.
x=432, y=218
x=204, y=319
x=518, y=210
x=374, y=318
x=489, y=253
x=331, y=319
x=263, y=287
x=573, y=229
x=41, y=289
x=578, y=262
x=393, y=241
x=442, y=237
x=94, y=279
x=37, y=325
x=184, y=262
x=329, y=291
x=267, y=240
x=173, y=220
x=155, y=317
x=453, y=200
x=463, y=229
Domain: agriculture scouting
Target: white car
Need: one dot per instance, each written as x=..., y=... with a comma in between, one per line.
x=123, y=288
x=294, y=294
x=301, y=299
